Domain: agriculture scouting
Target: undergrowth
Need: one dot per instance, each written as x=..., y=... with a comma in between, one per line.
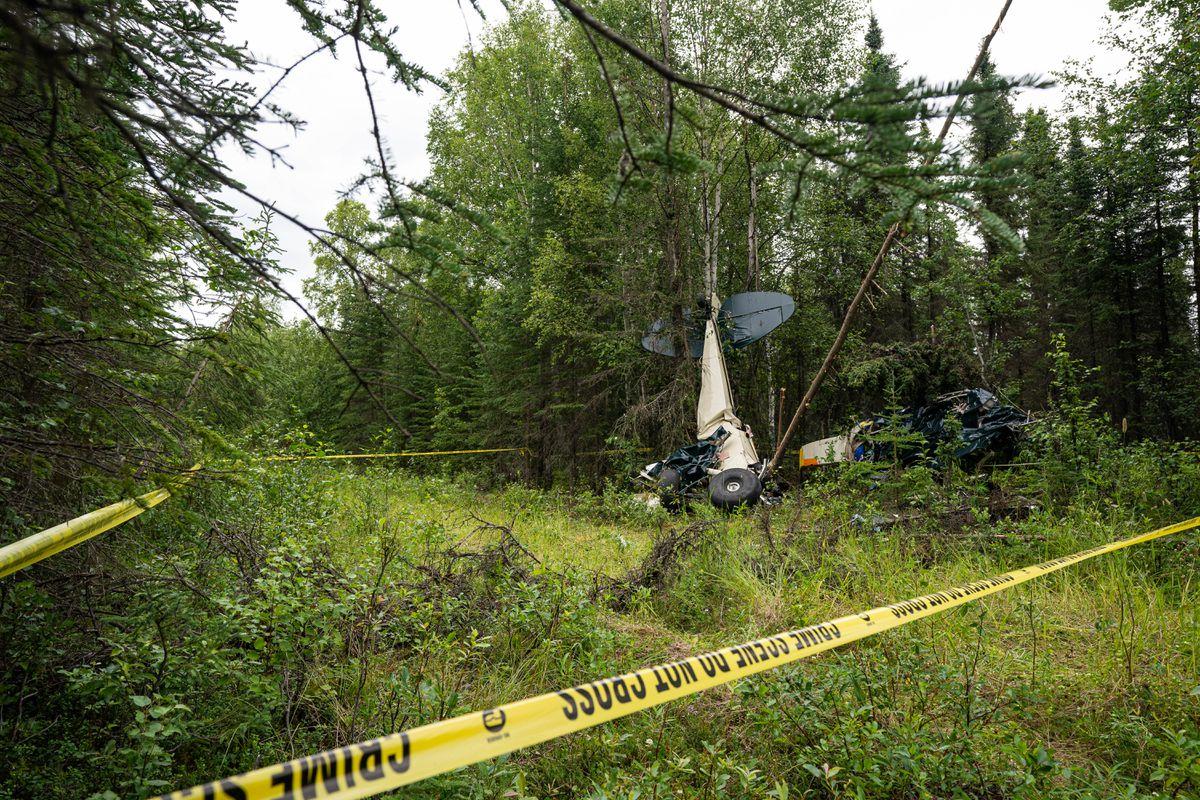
x=305, y=606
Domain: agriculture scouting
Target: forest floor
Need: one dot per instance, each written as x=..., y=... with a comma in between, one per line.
x=309, y=605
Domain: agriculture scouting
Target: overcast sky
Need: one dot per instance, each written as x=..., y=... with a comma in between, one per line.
x=937, y=39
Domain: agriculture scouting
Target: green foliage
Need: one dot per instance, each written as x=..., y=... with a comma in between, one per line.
x=499, y=304
x=553, y=295
x=311, y=605
x=1072, y=438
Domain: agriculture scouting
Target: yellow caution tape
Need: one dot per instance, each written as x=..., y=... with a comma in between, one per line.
x=32, y=549
x=398, y=455
x=412, y=454
x=379, y=765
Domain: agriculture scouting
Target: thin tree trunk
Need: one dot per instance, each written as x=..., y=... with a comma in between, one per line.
x=906, y=301
x=710, y=216
x=930, y=274
x=752, y=279
x=1194, y=201
x=1160, y=282
x=1164, y=331
x=672, y=238
x=705, y=223
x=715, y=227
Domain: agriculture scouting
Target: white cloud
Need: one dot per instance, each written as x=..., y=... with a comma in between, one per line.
x=939, y=39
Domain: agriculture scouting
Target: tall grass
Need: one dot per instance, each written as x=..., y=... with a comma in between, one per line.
x=311, y=605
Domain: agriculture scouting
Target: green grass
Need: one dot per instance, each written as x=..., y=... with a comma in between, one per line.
x=561, y=529
x=312, y=605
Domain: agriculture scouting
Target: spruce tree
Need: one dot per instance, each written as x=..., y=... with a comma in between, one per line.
x=993, y=131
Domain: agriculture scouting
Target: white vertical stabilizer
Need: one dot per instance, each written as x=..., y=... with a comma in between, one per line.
x=715, y=409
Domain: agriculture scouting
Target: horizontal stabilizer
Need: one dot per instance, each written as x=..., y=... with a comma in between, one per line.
x=743, y=319
x=749, y=316
x=660, y=339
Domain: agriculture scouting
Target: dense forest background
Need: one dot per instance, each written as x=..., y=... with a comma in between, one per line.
x=575, y=196
x=593, y=168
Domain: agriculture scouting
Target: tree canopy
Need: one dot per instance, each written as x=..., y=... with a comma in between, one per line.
x=593, y=168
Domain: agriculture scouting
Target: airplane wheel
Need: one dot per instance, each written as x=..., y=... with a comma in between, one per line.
x=733, y=488
x=669, y=483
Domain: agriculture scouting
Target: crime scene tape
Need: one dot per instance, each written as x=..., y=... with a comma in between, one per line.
x=408, y=454
x=399, y=759
x=397, y=455
x=33, y=548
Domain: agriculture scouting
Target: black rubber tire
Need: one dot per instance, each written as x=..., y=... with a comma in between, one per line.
x=669, y=484
x=734, y=488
